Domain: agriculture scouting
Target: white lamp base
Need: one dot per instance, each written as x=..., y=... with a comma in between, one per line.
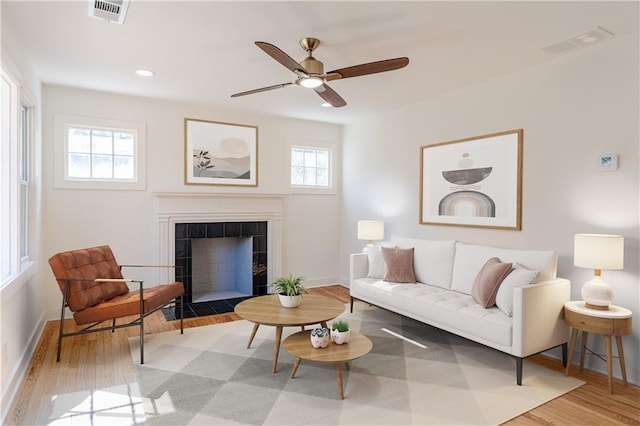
x=597, y=294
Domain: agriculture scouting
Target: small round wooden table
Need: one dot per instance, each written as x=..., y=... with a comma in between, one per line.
x=299, y=345
x=616, y=321
x=267, y=310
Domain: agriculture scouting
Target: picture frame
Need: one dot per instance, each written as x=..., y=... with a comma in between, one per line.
x=473, y=182
x=219, y=153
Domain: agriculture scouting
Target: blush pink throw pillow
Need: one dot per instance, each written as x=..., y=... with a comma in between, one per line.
x=398, y=265
x=485, y=286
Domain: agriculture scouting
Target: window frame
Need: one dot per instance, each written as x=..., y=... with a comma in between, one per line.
x=62, y=181
x=18, y=121
x=331, y=147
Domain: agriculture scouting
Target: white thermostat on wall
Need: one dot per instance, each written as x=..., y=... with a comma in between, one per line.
x=607, y=162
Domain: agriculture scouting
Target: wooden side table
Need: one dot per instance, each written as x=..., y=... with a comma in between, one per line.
x=616, y=321
x=299, y=345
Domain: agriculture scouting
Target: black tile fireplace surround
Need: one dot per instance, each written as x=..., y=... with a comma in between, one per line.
x=186, y=232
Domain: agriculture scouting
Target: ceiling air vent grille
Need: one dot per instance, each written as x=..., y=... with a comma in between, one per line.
x=579, y=40
x=113, y=11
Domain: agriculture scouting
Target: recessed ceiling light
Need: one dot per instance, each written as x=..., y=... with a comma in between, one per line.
x=145, y=73
x=326, y=105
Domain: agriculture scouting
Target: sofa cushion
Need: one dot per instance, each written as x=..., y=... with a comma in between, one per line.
x=469, y=258
x=398, y=265
x=376, y=262
x=432, y=260
x=488, y=280
x=520, y=276
x=442, y=308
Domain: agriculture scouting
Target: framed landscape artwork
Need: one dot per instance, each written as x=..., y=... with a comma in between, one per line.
x=474, y=182
x=220, y=153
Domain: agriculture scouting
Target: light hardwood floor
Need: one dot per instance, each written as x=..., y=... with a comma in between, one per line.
x=111, y=365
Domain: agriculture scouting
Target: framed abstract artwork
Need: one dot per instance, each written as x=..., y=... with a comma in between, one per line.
x=217, y=153
x=475, y=182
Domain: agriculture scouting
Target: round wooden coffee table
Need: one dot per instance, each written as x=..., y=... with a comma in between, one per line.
x=267, y=310
x=299, y=345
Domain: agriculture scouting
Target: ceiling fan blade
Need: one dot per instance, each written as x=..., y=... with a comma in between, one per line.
x=369, y=68
x=330, y=95
x=262, y=89
x=281, y=57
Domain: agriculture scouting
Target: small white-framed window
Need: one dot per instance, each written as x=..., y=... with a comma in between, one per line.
x=312, y=167
x=99, y=153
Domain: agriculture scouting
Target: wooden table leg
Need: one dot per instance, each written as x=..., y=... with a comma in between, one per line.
x=585, y=337
x=621, y=359
x=324, y=324
x=339, y=379
x=296, y=364
x=572, y=346
x=607, y=345
x=253, y=334
x=276, y=347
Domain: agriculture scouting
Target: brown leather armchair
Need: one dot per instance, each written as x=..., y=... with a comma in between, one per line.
x=94, y=289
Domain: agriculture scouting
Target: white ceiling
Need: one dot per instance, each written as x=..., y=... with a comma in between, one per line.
x=204, y=51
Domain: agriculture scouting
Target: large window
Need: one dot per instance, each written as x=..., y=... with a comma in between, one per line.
x=99, y=153
x=15, y=163
x=25, y=174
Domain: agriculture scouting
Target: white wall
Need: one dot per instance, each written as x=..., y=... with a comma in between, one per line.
x=126, y=219
x=21, y=301
x=572, y=109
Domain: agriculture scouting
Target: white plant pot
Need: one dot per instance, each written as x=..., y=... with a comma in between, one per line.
x=340, y=337
x=290, y=301
x=319, y=342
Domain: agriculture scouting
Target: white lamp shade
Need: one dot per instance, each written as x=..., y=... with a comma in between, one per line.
x=370, y=230
x=598, y=251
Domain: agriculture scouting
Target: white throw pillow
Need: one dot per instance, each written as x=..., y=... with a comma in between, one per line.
x=376, y=262
x=519, y=277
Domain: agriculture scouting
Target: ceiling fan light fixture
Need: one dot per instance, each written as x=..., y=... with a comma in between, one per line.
x=311, y=82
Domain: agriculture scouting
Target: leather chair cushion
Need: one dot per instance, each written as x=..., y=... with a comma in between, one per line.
x=129, y=303
x=83, y=266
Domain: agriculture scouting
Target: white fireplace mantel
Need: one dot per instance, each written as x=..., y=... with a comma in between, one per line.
x=199, y=207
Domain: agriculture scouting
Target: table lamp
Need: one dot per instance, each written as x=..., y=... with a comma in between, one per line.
x=370, y=230
x=598, y=252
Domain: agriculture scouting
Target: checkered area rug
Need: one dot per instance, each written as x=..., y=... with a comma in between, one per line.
x=415, y=375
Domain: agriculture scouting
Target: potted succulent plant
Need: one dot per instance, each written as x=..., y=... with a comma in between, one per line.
x=340, y=332
x=320, y=337
x=289, y=290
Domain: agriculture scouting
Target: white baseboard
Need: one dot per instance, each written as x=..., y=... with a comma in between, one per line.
x=20, y=370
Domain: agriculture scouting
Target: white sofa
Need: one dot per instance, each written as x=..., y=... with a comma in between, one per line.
x=445, y=272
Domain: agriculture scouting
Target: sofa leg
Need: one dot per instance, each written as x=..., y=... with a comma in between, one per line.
x=519, y=371
x=564, y=355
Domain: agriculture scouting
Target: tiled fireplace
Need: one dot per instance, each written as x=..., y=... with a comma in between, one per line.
x=213, y=271
x=235, y=224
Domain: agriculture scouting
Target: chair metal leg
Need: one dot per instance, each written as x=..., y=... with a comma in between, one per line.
x=141, y=326
x=181, y=314
x=61, y=328
x=113, y=326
